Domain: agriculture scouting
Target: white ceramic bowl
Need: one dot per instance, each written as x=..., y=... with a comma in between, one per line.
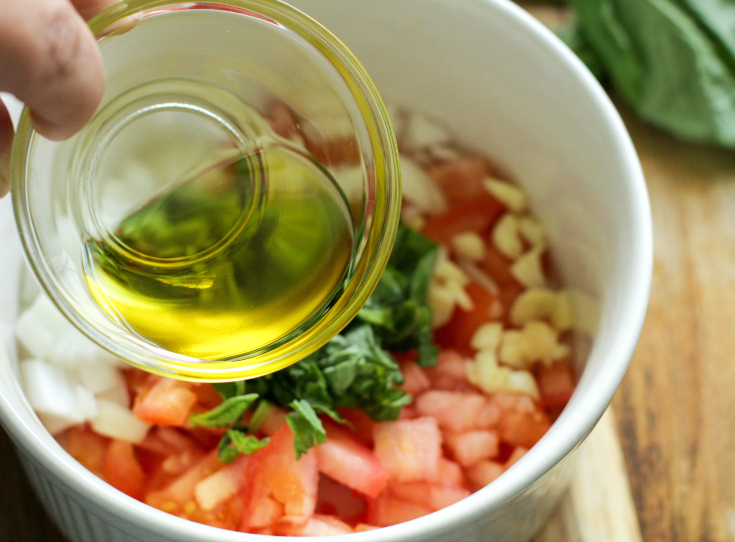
x=508, y=88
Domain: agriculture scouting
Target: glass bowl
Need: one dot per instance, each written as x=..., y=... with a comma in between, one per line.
x=186, y=84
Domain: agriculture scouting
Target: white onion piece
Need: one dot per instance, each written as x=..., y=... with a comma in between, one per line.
x=118, y=422
x=97, y=377
x=50, y=394
x=75, y=350
x=117, y=394
x=86, y=402
x=420, y=189
x=41, y=326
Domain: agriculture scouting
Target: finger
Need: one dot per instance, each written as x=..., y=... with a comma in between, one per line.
x=90, y=8
x=50, y=60
x=6, y=139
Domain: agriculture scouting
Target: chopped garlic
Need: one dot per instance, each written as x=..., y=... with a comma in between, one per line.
x=420, y=189
x=487, y=336
x=460, y=295
x=505, y=236
x=536, y=342
x=528, y=269
x=533, y=304
x=512, y=196
x=523, y=382
x=562, y=317
x=531, y=230
x=442, y=302
x=469, y=245
x=412, y=217
x=446, y=270
x=444, y=153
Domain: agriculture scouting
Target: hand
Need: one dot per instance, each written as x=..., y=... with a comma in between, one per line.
x=50, y=61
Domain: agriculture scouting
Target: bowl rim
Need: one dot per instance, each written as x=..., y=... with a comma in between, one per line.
x=559, y=441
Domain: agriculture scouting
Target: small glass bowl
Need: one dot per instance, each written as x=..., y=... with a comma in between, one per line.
x=201, y=71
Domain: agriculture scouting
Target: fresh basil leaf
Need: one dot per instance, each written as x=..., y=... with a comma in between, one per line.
x=306, y=426
x=230, y=389
x=672, y=61
x=235, y=442
x=229, y=412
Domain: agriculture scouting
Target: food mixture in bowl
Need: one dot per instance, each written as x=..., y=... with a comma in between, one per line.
x=455, y=367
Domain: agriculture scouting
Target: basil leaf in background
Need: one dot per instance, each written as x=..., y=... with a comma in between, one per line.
x=229, y=412
x=306, y=426
x=235, y=442
x=673, y=61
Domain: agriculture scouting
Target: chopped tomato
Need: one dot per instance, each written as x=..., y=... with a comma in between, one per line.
x=556, y=383
x=274, y=473
x=523, y=423
x=174, y=497
x=274, y=421
x=168, y=403
x=472, y=446
x=409, y=450
x=416, y=380
x=458, y=332
x=498, y=267
x=87, y=447
x=461, y=179
x=122, y=471
x=317, y=525
x=455, y=411
x=221, y=485
x=482, y=473
x=475, y=215
x=450, y=473
x=362, y=423
x=518, y=452
x=388, y=510
x=432, y=496
x=350, y=462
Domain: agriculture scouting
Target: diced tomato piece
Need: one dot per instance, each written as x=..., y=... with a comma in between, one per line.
x=176, y=495
x=387, y=510
x=461, y=179
x=432, y=496
x=262, y=513
x=489, y=416
x=473, y=446
x=453, y=410
x=274, y=421
x=450, y=473
x=220, y=486
x=556, y=383
x=452, y=363
x=339, y=500
x=178, y=463
x=475, y=215
x=416, y=380
x=409, y=450
x=122, y=471
x=168, y=402
x=518, y=452
x=523, y=422
x=207, y=397
x=87, y=447
x=460, y=329
x=498, y=267
x=408, y=413
x=350, y=462
x=167, y=441
x=362, y=423
x=482, y=473
x=317, y=525
x=138, y=381
x=273, y=472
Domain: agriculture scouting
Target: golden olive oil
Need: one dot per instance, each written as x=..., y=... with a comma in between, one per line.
x=238, y=258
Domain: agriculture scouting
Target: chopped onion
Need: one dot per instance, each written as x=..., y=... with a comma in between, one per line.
x=118, y=422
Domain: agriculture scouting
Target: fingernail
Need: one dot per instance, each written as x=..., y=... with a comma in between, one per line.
x=4, y=173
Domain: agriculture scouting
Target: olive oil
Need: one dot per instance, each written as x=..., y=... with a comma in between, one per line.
x=238, y=258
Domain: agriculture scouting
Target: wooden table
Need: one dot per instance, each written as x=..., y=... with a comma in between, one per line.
x=675, y=410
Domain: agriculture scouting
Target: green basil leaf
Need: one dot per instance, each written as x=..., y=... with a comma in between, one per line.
x=229, y=412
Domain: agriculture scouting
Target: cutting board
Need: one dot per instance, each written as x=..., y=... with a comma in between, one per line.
x=598, y=506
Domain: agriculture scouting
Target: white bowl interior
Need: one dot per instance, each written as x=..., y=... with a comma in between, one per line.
x=506, y=88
